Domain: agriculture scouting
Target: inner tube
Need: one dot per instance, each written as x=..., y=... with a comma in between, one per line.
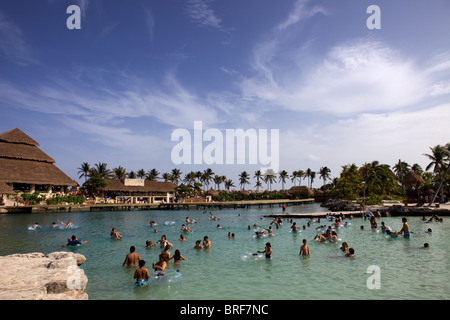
x=169, y=223
x=166, y=277
x=248, y=256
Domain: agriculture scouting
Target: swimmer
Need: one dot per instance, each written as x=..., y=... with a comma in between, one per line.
x=198, y=245
x=163, y=242
x=115, y=235
x=182, y=238
x=177, y=257
x=425, y=245
x=72, y=242
x=132, y=258
x=333, y=237
x=267, y=251
x=141, y=274
x=165, y=253
x=53, y=225
x=304, y=249
x=152, y=223
x=294, y=227
x=149, y=244
x=160, y=265
x=206, y=242
x=218, y=226
x=269, y=231
x=344, y=246
x=320, y=238
x=350, y=253
x=68, y=224
x=184, y=228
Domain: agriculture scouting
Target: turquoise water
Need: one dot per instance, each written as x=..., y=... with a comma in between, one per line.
x=406, y=271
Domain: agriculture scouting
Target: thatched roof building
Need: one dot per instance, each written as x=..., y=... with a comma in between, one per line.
x=23, y=163
x=5, y=189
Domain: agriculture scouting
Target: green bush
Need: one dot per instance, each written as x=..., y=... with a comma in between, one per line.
x=66, y=199
x=34, y=197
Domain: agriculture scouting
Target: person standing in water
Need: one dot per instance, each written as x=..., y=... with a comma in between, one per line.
x=267, y=251
x=132, y=258
x=304, y=249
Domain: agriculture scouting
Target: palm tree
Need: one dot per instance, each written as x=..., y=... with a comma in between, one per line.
x=324, y=173
x=312, y=176
x=119, y=172
x=131, y=175
x=439, y=156
x=218, y=180
x=189, y=178
x=101, y=171
x=207, y=176
x=401, y=168
x=166, y=176
x=269, y=178
x=258, y=175
x=176, y=175
x=228, y=184
x=152, y=175
x=141, y=173
x=243, y=179
x=283, y=175
x=308, y=174
x=84, y=170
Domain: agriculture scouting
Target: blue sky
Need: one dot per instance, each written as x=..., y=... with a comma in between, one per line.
x=116, y=89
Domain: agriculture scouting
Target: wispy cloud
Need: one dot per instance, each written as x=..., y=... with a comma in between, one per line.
x=200, y=13
x=13, y=43
x=300, y=12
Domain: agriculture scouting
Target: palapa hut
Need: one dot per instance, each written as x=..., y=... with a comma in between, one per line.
x=411, y=179
x=138, y=190
x=24, y=167
x=300, y=192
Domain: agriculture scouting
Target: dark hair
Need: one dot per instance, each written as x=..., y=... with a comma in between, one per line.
x=141, y=263
x=351, y=250
x=177, y=254
x=132, y=249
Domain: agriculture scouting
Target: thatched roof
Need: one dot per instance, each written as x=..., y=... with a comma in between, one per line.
x=303, y=191
x=5, y=189
x=17, y=136
x=212, y=192
x=115, y=185
x=412, y=179
x=21, y=161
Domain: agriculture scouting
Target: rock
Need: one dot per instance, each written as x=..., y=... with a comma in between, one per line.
x=35, y=276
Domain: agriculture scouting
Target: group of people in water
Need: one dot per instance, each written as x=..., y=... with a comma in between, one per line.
x=326, y=234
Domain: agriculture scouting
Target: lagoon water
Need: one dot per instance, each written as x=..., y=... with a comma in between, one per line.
x=406, y=271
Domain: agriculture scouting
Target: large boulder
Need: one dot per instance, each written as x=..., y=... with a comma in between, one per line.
x=35, y=276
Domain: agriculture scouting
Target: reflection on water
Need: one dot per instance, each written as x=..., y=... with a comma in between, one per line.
x=221, y=273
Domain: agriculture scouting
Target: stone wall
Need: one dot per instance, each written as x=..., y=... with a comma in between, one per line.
x=35, y=276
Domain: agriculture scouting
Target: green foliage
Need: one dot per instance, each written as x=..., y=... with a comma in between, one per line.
x=238, y=196
x=34, y=197
x=66, y=199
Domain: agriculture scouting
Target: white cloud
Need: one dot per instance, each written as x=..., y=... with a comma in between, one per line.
x=202, y=14
x=300, y=12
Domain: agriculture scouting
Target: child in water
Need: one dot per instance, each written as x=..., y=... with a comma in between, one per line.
x=141, y=275
x=304, y=249
x=177, y=257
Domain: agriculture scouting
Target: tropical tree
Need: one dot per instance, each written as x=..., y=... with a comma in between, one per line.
x=131, y=175
x=283, y=175
x=440, y=161
x=166, y=176
x=312, y=176
x=141, y=173
x=175, y=176
x=152, y=175
x=228, y=184
x=189, y=178
x=84, y=170
x=207, y=177
x=243, y=179
x=308, y=174
x=258, y=175
x=269, y=178
x=324, y=173
x=101, y=170
x=119, y=173
x=218, y=180
x=349, y=181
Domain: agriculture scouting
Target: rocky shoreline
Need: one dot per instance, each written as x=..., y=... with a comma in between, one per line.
x=36, y=276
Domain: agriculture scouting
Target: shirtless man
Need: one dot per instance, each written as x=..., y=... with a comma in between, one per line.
x=132, y=258
x=405, y=229
x=161, y=264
